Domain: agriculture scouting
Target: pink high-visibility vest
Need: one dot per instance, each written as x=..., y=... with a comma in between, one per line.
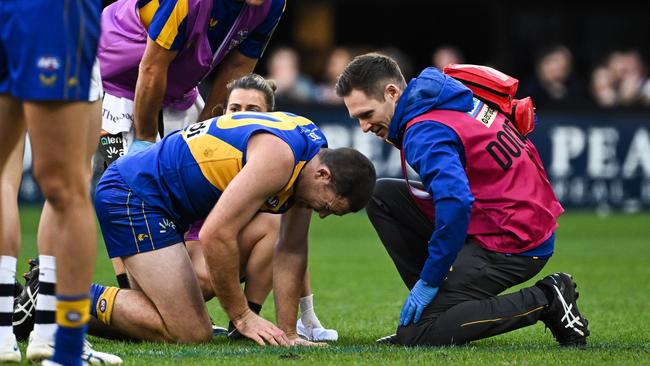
x=515, y=208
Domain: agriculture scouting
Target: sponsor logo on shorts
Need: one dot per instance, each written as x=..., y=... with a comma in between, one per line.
x=102, y=305
x=166, y=224
x=142, y=237
x=213, y=22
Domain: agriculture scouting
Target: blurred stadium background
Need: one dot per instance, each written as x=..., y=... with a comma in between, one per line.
x=586, y=67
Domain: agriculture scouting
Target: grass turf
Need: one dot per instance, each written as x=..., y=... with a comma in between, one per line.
x=358, y=292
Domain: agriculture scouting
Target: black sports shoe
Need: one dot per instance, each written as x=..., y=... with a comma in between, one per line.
x=233, y=333
x=562, y=316
x=389, y=339
x=25, y=303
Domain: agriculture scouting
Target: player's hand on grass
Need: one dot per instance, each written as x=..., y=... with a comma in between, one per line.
x=418, y=299
x=297, y=341
x=260, y=330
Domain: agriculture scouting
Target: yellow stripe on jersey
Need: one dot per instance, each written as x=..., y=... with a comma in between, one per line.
x=147, y=12
x=169, y=32
x=275, y=120
x=218, y=160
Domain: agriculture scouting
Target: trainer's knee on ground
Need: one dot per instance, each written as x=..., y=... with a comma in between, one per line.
x=408, y=336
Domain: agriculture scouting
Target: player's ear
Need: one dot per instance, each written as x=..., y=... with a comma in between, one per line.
x=323, y=172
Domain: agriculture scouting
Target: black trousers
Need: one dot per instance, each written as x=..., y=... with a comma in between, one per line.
x=468, y=305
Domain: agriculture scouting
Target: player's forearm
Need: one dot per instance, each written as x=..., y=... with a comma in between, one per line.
x=222, y=258
x=288, y=276
x=149, y=94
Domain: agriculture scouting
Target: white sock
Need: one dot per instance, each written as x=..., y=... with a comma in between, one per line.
x=7, y=281
x=307, y=314
x=45, y=323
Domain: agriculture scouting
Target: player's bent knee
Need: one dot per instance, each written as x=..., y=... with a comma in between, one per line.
x=200, y=334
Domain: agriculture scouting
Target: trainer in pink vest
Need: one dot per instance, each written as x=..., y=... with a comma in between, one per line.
x=123, y=40
x=515, y=208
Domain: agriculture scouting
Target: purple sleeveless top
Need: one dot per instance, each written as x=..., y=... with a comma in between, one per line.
x=123, y=40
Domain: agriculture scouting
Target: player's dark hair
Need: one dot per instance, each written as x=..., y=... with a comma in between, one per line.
x=255, y=82
x=369, y=73
x=353, y=175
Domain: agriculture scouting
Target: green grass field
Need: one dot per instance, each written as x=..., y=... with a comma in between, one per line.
x=358, y=292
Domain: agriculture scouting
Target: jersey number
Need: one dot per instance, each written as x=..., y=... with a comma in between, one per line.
x=196, y=129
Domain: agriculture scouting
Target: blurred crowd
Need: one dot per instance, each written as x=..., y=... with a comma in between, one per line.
x=620, y=80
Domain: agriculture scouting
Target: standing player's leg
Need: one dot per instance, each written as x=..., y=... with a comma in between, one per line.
x=58, y=133
x=12, y=132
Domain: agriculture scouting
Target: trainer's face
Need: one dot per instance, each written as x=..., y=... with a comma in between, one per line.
x=373, y=115
x=249, y=100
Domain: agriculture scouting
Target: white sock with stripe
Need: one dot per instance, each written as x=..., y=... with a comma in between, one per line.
x=45, y=320
x=7, y=281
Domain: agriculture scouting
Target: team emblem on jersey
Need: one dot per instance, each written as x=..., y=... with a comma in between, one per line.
x=239, y=38
x=311, y=133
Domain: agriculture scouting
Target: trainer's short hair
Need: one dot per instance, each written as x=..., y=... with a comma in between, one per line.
x=369, y=73
x=353, y=175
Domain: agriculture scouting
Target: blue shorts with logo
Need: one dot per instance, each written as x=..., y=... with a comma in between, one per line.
x=129, y=225
x=47, y=48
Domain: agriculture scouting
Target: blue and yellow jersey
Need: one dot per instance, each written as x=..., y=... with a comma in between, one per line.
x=166, y=24
x=187, y=171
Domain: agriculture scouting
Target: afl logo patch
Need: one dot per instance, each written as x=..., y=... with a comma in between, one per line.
x=102, y=305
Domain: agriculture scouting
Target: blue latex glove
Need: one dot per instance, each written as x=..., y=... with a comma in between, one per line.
x=421, y=295
x=139, y=145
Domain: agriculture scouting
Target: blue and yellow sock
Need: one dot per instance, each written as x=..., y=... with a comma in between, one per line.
x=72, y=320
x=103, y=299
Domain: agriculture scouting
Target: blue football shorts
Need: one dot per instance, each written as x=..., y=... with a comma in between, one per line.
x=47, y=48
x=129, y=225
